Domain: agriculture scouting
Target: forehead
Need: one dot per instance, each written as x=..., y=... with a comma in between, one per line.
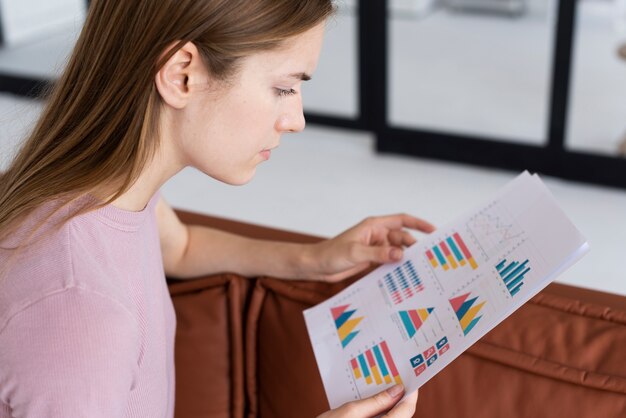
x=298, y=54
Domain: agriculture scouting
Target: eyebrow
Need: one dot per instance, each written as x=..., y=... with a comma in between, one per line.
x=301, y=76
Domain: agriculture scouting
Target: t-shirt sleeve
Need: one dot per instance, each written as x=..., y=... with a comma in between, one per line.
x=71, y=354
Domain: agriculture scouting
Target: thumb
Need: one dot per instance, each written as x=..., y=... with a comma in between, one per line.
x=377, y=404
x=377, y=254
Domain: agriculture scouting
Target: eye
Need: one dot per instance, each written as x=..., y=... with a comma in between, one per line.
x=283, y=92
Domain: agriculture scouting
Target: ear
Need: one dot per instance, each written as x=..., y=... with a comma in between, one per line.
x=182, y=70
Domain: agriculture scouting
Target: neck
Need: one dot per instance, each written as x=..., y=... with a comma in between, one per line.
x=154, y=175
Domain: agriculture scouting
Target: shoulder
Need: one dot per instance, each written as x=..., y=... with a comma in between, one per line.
x=56, y=266
x=63, y=347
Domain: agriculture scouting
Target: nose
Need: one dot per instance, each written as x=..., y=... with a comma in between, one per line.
x=292, y=120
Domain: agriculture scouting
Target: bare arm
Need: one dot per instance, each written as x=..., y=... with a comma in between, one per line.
x=192, y=251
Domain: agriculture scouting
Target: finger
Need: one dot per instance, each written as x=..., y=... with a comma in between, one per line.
x=400, y=238
x=403, y=220
x=396, y=237
x=379, y=403
x=361, y=253
x=404, y=409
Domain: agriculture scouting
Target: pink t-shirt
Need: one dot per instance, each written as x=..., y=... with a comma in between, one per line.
x=86, y=321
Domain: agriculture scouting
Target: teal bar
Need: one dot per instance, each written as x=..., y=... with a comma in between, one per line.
x=515, y=272
x=514, y=291
x=343, y=318
x=506, y=270
x=364, y=368
x=406, y=320
x=465, y=307
x=471, y=325
x=519, y=278
x=381, y=362
x=501, y=265
x=442, y=260
x=454, y=248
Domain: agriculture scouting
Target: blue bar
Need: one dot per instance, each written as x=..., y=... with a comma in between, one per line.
x=465, y=307
x=417, y=360
x=442, y=342
x=454, y=248
x=506, y=270
x=437, y=251
x=515, y=272
x=390, y=283
x=381, y=362
x=402, y=278
x=519, y=278
x=471, y=325
x=413, y=274
x=366, y=370
x=502, y=263
x=514, y=291
x=343, y=318
x=406, y=320
x=349, y=338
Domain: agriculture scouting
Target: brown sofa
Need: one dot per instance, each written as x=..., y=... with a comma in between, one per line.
x=242, y=350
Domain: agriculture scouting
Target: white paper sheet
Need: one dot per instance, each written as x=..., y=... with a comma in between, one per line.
x=406, y=321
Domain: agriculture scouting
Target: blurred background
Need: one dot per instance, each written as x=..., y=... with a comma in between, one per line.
x=428, y=108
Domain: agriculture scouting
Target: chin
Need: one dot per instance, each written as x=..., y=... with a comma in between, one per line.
x=235, y=180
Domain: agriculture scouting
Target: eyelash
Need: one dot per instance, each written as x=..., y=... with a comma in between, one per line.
x=284, y=93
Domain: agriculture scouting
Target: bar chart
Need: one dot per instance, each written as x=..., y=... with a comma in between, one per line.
x=376, y=366
x=402, y=283
x=451, y=253
x=414, y=319
x=512, y=274
x=466, y=311
x=345, y=324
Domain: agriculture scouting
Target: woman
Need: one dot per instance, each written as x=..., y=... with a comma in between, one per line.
x=86, y=322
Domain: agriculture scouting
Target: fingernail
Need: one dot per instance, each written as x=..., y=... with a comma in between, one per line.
x=395, y=254
x=395, y=391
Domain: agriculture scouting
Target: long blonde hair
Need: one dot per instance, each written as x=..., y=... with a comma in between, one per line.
x=99, y=127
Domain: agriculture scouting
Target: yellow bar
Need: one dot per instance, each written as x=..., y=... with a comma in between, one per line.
x=347, y=327
x=423, y=314
x=463, y=262
x=368, y=380
x=452, y=262
x=445, y=267
x=433, y=262
x=357, y=373
x=398, y=380
x=473, y=263
x=377, y=378
x=470, y=315
x=387, y=379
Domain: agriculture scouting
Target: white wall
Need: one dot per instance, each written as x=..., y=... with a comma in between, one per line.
x=26, y=20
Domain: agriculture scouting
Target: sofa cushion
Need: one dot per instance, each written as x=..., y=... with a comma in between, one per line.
x=209, y=347
x=561, y=354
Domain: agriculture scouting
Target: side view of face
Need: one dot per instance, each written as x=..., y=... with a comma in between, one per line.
x=225, y=129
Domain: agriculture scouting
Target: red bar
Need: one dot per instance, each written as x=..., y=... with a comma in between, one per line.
x=417, y=321
x=389, y=359
x=446, y=250
x=429, y=352
x=430, y=255
x=464, y=249
x=354, y=365
x=420, y=369
x=370, y=358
